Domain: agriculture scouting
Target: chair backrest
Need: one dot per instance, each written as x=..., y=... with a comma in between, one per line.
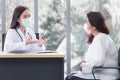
x=3, y=40
x=37, y=35
x=119, y=60
x=119, y=57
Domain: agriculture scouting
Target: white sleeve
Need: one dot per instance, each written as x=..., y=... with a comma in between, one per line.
x=95, y=55
x=11, y=44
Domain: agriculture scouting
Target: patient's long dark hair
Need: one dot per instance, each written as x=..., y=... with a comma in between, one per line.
x=16, y=14
x=97, y=20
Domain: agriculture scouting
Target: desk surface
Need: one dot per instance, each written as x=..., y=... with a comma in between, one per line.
x=32, y=55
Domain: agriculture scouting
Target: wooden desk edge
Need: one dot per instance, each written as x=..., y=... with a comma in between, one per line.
x=42, y=55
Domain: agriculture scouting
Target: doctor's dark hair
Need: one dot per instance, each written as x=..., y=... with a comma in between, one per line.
x=16, y=14
x=97, y=20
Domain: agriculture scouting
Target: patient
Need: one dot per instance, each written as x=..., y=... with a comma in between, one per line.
x=102, y=51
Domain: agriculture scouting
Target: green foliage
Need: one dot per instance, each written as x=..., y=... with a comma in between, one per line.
x=53, y=24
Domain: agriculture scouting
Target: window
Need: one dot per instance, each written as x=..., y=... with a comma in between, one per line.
x=111, y=11
x=0, y=25
x=52, y=23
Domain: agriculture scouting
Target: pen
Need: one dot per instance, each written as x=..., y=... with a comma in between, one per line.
x=30, y=36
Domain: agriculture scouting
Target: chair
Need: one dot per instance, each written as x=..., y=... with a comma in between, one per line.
x=3, y=40
x=37, y=35
x=108, y=67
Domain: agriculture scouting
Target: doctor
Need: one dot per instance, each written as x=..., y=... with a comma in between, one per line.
x=19, y=37
x=101, y=51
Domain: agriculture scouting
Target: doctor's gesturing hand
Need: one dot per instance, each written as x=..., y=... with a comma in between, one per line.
x=39, y=42
x=42, y=40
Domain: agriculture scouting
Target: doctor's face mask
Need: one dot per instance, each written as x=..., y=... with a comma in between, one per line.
x=26, y=22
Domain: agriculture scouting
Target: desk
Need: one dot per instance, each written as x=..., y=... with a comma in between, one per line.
x=46, y=66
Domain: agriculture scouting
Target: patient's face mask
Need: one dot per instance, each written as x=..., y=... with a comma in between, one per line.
x=86, y=28
x=26, y=22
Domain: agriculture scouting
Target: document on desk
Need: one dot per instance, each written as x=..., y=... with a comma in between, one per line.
x=26, y=52
x=18, y=51
x=46, y=51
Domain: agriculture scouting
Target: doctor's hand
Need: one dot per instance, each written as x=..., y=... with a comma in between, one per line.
x=42, y=40
x=30, y=41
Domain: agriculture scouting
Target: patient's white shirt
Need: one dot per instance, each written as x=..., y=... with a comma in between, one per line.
x=101, y=52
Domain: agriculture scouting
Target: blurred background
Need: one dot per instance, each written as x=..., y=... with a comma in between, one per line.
x=51, y=21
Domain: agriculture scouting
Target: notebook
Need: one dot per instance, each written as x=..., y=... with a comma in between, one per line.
x=46, y=51
x=22, y=52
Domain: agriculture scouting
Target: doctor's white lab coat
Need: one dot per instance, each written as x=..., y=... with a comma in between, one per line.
x=101, y=52
x=13, y=41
